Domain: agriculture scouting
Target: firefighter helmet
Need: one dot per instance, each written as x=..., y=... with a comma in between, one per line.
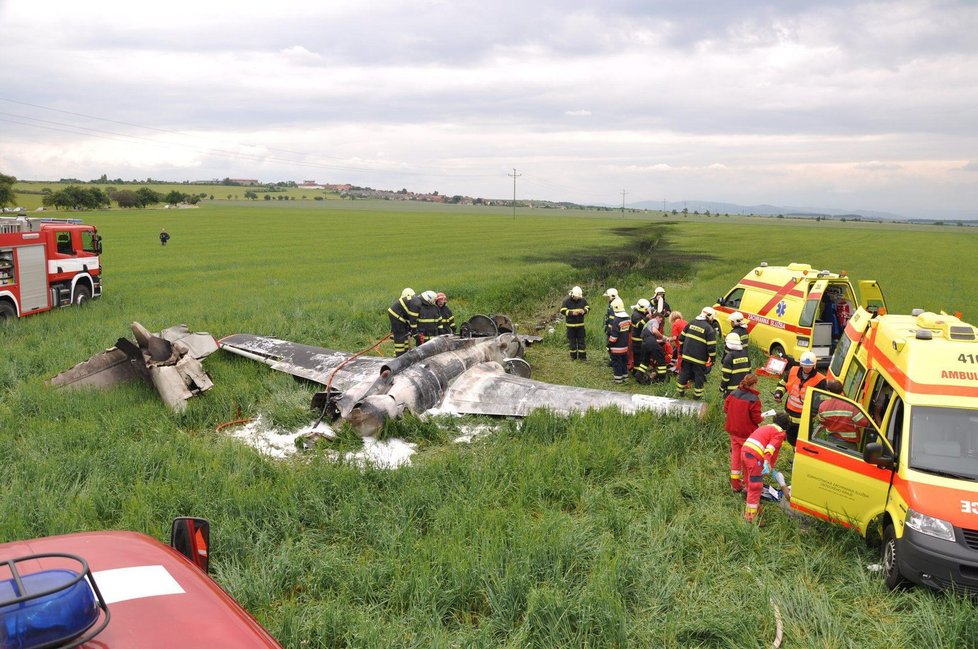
x=429, y=297
x=735, y=318
x=643, y=305
x=407, y=293
x=708, y=313
x=576, y=293
x=659, y=289
x=617, y=305
x=442, y=297
x=808, y=359
x=611, y=293
x=732, y=341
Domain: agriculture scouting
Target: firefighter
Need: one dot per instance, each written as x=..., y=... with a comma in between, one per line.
x=840, y=419
x=640, y=319
x=164, y=237
x=795, y=382
x=738, y=325
x=659, y=304
x=743, y=409
x=574, y=308
x=618, y=341
x=428, y=317
x=759, y=454
x=697, y=344
x=446, y=319
x=403, y=315
x=735, y=364
x=654, y=352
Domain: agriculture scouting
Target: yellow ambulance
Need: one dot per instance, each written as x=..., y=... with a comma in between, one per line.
x=796, y=308
x=896, y=456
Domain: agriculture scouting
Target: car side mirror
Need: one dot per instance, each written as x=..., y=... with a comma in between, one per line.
x=191, y=537
x=721, y=301
x=873, y=454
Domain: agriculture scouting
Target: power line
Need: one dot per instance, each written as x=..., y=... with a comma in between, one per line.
x=515, y=176
x=623, y=192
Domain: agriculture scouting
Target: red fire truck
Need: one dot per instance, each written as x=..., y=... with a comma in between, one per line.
x=47, y=263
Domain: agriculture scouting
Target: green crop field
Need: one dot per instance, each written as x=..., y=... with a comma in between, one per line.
x=601, y=530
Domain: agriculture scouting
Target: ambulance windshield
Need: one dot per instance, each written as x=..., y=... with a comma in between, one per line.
x=944, y=441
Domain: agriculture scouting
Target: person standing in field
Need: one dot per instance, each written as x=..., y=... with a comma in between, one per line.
x=403, y=315
x=640, y=315
x=428, y=317
x=676, y=326
x=698, y=345
x=759, y=455
x=659, y=304
x=735, y=364
x=743, y=410
x=446, y=319
x=574, y=308
x=618, y=341
x=739, y=327
x=164, y=237
x=611, y=294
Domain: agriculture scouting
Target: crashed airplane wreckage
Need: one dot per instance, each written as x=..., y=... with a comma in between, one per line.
x=464, y=375
x=170, y=361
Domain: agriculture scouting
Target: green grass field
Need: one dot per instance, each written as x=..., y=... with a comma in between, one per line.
x=600, y=530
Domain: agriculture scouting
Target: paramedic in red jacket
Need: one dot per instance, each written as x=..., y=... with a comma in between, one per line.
x=760, y=454
x=743, y=408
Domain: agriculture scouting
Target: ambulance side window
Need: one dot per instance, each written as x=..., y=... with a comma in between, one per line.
x=894, y=427
x=882, y=392
x=853, y=385
x=808, y=313
x=733, y=299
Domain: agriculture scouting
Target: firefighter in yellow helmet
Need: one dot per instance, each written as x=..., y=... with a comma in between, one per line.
x=403, y=315
x=619, y=340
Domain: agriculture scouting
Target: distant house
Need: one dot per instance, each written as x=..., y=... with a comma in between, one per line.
x=244, y=181
x=310, y=184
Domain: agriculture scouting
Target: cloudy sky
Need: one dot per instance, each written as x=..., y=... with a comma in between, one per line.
x=834, y=104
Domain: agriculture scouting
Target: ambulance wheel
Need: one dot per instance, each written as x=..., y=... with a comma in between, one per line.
x=777, y=350
x=7, y=312
x=82, y=295
x=888, y=557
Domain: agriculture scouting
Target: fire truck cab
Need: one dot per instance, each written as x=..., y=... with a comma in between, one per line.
x=47, y=263
x=896, y=456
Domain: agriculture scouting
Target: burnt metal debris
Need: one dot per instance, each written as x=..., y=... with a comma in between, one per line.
x=465, y=375
x=169, y=360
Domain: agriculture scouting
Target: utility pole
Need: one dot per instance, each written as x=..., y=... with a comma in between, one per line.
x=623, y=192
x=515, y=176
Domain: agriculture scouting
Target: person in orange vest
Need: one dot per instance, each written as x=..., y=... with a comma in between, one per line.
x=795, y=383
x=841, y=419
x=759, y=454
x=619, y=340
x=743, y=409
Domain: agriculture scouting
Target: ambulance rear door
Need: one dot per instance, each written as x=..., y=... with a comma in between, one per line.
x=814, y=315
x=871, y=296
x=830, y=479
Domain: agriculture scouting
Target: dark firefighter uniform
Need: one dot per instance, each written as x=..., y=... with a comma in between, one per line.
x=741, y=331
x=654, y=354
x=698, y=345
x=446, y=320
x=403, y=315
x=429, y=317
x=574, y=309
x=639, y=366
x=734, y=367
x=618, y=342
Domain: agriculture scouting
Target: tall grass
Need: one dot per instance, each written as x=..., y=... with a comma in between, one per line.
x=597, y=530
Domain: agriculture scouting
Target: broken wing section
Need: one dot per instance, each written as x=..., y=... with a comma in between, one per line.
x=305, y=361
x=487, y=389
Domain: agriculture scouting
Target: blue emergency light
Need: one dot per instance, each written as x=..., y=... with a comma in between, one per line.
x=50, y=608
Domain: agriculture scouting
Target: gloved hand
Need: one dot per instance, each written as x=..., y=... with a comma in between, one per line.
x=767, y=468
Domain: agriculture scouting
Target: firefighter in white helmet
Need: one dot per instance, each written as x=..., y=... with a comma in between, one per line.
x=738, y=325
x=619, y=341
x=659, y=304
x=640, y=319
x=795, y=382
x=698, y=345
x=609, y=316
x=735, y=364
x=428, y=317
x=574, y=308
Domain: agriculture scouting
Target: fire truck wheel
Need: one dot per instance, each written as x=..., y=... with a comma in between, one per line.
x=888, y=557
x=82, y=295
x=7, y=312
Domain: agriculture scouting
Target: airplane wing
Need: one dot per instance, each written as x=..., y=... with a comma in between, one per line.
x=486, y=389
x=305, y=361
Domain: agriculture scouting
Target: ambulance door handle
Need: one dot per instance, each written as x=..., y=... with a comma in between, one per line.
x=808, y=450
